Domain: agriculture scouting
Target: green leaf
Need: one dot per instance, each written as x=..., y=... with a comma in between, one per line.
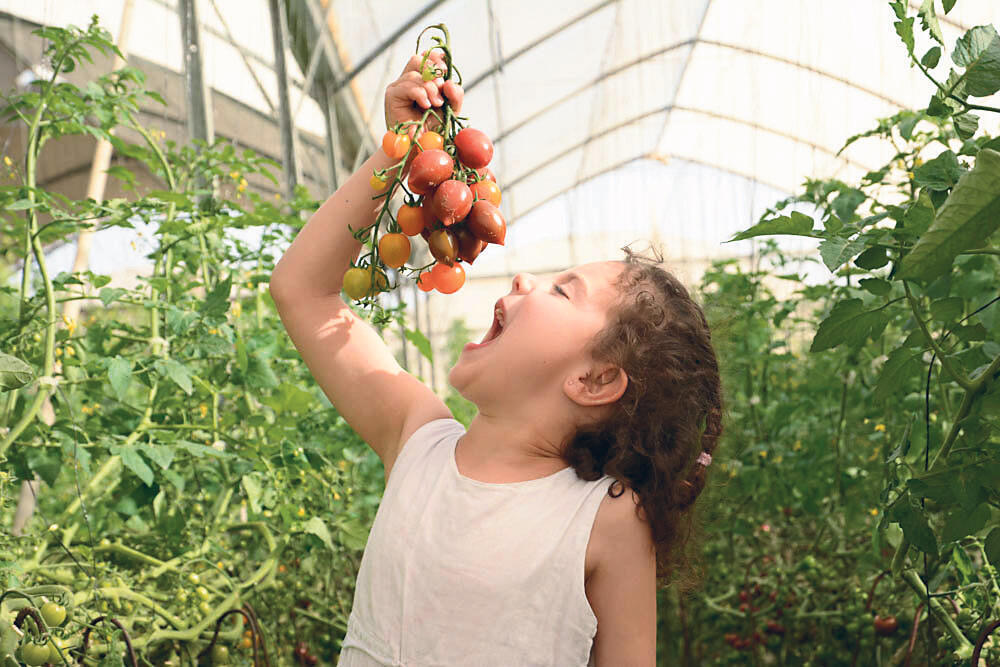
x=109, y=295
x=873, y=258
x=315, y=526
x=217, y=302
x=903, y=363
x=978, y=51
x=251, y=485
x=961, y=523
x=259, y=374
x=948, y=309
x=913, y=521
x=848, y=323
x=929, y=21
x=876, y=286
x=160, y=454
x=966, y=124
x=420, y=341
x=836, y=250
x=968, y=217
x=941, y=173
x=178, y=372
x=289, y=397
x=931, y=58
x=948, y=4
x=170, y=197
x=14, y=372
x=134, y=462
x=21, y=205
x=120, y=375
x=992, y=547
x=796, y=224
x=121, y=173
x=904, y=28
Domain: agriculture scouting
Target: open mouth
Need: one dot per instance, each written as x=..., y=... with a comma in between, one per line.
x=495, y=330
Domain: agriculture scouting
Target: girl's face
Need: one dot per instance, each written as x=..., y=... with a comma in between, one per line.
x=540, y=335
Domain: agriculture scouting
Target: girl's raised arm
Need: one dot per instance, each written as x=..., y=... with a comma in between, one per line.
x=349, y=360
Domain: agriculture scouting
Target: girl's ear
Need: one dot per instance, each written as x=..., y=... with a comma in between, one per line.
x=598, y=385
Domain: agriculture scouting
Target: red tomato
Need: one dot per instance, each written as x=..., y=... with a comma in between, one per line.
x=487, y=190
x=395, y=145
x=428, y=170
x=448, y=279
x=885, y=626
x=429, y=141
x=452, y=202
x=410, y=219
x=394, y=249
x=425, y=281
x=486, y=174
x=486, y=222
x=474, y=148
x=443, y=246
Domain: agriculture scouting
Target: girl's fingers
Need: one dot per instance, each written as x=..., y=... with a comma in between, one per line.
x=413, y=64
x=433, y=93
x=454, y=93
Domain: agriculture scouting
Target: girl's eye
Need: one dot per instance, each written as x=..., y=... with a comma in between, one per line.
x=560, y=290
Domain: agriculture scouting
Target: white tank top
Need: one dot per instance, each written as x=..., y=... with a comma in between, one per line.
x=460, y=572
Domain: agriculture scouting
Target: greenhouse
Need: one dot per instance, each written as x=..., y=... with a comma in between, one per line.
x=264, y=263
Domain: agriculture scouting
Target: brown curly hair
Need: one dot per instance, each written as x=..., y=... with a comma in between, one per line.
x=671, y=411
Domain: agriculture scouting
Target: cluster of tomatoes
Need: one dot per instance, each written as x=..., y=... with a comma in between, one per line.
x=452, y=201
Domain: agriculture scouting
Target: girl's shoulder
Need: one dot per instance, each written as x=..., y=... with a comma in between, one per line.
x=619, y=522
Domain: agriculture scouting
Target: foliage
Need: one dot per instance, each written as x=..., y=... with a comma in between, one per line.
x=872, y=456
x=192, y=466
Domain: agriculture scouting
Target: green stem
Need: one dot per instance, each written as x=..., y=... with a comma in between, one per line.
x=977, y=385
x=962, y=381
x=964, y=650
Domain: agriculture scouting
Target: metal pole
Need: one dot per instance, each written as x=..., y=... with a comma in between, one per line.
x=328, y=104
x=284, y=108
x=199, y=119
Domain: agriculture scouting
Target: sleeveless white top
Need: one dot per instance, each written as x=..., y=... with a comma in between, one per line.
x=462, y=572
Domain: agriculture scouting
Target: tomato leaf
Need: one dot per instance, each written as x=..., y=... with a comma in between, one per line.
x=931, y=58
x=176, y=371
x=992, y=547
x=941, y=173
x=876, y=286
x=14, y=372
x=315, y=526
x=795, y=224
x=420, y=341
x=968, y=217
x=836, y=251
x=160, y=454
x=929, y=21
x=978, y=51
x=216, y=304
x=133, y=461
x=120, y=376
x=849, y=323
x=961, y=523
x=913, y=521
x=903, y=363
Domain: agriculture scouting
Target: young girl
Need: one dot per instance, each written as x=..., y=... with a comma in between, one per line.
x=513, y=542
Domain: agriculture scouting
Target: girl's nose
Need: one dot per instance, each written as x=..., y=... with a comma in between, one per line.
x=523, y=283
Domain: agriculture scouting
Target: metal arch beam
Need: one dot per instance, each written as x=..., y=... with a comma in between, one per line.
x=659, y=52
x=672, y=107
x=386, y=43
x=528, y=47
x=636, y=158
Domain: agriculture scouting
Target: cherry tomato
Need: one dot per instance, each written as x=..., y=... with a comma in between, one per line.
x=486, y=174
x=425, y=281
x=410, y=219
x=443, y=246
x=357, y=283
x=469, y=246
x=395, y=145
x=452, y=202
x=55, y=644
x=220, y=655
x=486, y=222
x=246, y=642
x=377, y=182
x=428, y=141
x=394, y=249
x=425, y=210
x=204, y=607
x=474, y=148
x=34, y=654
x=53, y=614
x=487, y=190
x=428, y=170
x=448, y=279
x=885, y=625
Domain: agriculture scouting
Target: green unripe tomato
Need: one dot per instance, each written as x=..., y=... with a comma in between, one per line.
x=54, y=614
x=54, y=645
x=220, y=655
x=34, y=654
x=205, y=608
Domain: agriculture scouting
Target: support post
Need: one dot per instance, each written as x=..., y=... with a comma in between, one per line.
x=284, y=108
x=328, y=104
x=199, y=119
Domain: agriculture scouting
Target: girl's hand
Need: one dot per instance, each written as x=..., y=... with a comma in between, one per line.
x=409, y=96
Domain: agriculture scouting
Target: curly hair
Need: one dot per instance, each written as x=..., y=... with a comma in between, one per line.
x=671, y=412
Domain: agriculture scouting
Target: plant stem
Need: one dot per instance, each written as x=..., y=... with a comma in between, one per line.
x=964, y=650
x=963, y=381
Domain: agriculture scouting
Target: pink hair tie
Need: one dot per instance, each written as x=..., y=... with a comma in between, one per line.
x=704, y=459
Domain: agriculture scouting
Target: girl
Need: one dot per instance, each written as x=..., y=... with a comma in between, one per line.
x=514, y=542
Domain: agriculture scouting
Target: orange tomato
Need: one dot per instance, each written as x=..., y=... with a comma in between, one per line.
x=394, y=249
x=430, y=140
x=425, y=281
x=395, y=145
x=448, y=279
x=487, y=190
x=410, y=219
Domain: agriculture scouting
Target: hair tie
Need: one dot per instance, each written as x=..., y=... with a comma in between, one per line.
x=704, y=459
